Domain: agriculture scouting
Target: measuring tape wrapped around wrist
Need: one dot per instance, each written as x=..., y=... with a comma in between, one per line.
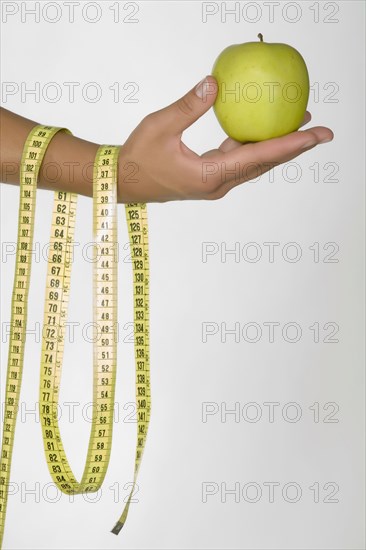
x=55, y=317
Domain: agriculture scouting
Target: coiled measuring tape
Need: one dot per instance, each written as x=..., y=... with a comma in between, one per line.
x=55, y=318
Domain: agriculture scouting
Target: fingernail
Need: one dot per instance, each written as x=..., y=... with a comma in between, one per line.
x=309, y=144
x=325, y=140
x=201, y=87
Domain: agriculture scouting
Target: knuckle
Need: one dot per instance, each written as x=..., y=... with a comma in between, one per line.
x=149, y=122
x=212, y=186
x=217, y=194
x=185, y=106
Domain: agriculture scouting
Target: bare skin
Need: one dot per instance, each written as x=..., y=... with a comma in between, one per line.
x=154, y=163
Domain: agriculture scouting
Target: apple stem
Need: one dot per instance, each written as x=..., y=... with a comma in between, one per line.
x=260, y=36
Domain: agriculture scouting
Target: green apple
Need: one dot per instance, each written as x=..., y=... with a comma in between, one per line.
x=263, y=90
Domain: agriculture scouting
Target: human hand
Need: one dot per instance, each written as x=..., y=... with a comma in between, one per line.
x=156, y=166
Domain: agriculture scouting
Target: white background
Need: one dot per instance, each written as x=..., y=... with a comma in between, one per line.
x=165, y=52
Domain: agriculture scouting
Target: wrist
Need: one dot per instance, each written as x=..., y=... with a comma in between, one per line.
x=68, y=165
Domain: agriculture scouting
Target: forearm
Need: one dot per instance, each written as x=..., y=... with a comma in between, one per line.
x=68, y=161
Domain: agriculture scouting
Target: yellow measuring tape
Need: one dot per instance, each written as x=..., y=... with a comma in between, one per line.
x=55, y=318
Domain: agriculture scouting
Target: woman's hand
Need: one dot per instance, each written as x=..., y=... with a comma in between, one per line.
x=156, y=166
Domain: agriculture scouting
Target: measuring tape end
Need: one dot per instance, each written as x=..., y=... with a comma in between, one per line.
x=117, y=528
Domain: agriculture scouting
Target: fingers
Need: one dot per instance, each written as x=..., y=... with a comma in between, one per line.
x=227, y=145
x=230, y=144
x=248, y=161
x=178, y=116
x=307, y=118
x=276, y=149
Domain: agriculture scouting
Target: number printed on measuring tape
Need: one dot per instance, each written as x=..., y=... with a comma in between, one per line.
x=33, y=153
x=58, y=284
x=137, y=229
x=104, y=313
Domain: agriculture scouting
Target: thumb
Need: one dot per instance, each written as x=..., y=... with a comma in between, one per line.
x=178, y=116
